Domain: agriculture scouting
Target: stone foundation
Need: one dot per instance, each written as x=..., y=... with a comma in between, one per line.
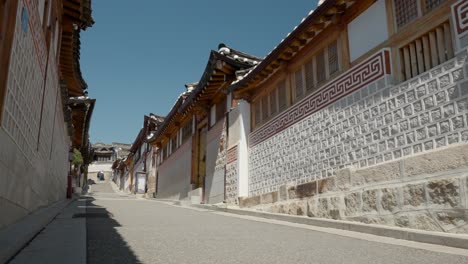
x=426, y=191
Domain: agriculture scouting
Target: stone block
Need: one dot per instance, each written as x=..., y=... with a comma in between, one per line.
x=423, y=221
x=444, y=192
x=369, y=201
x=312, y=207
x=249, y=201
x=283, y=193
x=352, y=203
x=440, y=161
x=453, y=221
x=381, y=173
x=269, y=198
x=389, y=199
x=283, y=209
x=292, y=192
x=306, y=190
x=298, y=208
x=326, y=185
x=322, y=208
x=413, y=195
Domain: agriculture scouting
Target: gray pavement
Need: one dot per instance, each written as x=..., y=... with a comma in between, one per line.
x=61, y=241
x=124, y=229
x=142, y=231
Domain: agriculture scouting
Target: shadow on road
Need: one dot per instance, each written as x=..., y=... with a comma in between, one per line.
x=104, y=243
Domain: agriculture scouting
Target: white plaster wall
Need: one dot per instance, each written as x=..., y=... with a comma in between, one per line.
x=243, y=158
x=174, y=174
x=368, y=30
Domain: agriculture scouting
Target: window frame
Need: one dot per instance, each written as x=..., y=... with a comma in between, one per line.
x=313, y=60
x=422, y=11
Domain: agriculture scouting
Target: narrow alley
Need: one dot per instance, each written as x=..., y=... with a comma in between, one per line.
x=124, y=229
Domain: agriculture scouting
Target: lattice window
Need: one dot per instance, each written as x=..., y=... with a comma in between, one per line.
x=220, y=110
x=273, y=103
x=257, y=112
x=333, y=65
x=165, y=151
x=173, y=144
x=431, y=4
x=265, y=107
x=298, y=83
x=282, y=99
x=321, y=70
x=187, y=131
x=309, y=76
x=405, y=11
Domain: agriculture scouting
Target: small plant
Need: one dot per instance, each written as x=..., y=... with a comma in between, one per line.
x=77, y=158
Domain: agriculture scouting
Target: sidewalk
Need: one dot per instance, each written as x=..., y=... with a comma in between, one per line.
x=62, y=241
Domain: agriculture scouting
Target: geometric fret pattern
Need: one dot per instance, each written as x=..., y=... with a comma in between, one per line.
x=370, y=70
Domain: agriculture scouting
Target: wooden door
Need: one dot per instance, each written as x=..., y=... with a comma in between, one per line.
x=202, y=160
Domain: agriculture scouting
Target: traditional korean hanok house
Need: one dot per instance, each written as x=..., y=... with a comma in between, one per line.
x=153, y=123
x=39, y=72
x=193, y=138
x=137, y=168
x=360, y=113
x=172, y=168
x=140, y=150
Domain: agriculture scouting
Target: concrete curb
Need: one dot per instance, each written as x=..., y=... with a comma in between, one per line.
x=14, y=237
x=437, y=238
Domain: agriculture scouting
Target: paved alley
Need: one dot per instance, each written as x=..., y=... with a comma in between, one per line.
x=108, y=227
x=121, y=229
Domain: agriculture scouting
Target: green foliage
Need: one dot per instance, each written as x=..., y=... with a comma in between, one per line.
x=77, y=158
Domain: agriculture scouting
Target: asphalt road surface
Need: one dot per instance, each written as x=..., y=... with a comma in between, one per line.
x=121, y=229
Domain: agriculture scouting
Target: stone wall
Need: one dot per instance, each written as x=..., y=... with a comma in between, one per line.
x=427, y=191
x=376, y=123
x=384, y=154
x=232, y=175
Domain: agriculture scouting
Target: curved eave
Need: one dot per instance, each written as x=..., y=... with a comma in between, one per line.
x=305, y=32
x=76, y=17
x=82, y=111
x=219, y=71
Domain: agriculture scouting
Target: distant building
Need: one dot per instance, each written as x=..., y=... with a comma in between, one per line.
x=103, y=157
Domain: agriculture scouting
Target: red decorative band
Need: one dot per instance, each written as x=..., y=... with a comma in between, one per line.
x=231, y=155
x=460, y=12
x=359, y=76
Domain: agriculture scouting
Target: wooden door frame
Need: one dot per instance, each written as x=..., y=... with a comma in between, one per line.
x=201, y=181
x=8, y=13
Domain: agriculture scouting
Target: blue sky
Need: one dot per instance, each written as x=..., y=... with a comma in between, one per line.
x=137, y=58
